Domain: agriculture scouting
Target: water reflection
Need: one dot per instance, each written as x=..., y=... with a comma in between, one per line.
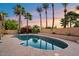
x=38, y=43
x=52, y=47
x=46, y=45
x=26, y=42
x=42, y=42
x=35, y=40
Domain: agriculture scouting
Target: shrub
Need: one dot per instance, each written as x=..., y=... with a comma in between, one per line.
x=11, y=24
x=55, y=27
x=76, y=24
x=53, y=33
x=35, y=29
x=49, y=27
x=24, y=30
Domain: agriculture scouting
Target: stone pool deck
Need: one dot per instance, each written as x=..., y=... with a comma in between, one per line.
x=10, y=47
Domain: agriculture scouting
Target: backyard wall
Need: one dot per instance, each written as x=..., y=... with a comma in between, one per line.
x=46, y=31
x=11, y=31
x=67, y=31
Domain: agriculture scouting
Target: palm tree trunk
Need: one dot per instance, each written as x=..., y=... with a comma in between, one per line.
x=3, y=27
x=65, y=21
x=46, y=18
x=65, y=17
x=0, y=36
x=70, y=24
x=40, y=22
x=27, y=25
x=19, y=24
x=2, y=22
x=53, y=16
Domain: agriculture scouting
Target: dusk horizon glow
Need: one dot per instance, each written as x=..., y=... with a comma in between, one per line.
x=31, y=7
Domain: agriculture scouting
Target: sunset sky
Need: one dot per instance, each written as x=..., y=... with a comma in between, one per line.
x=31, y=7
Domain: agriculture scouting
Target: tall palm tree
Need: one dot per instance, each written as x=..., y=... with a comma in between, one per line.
x=53, y=15
x=65, y=11
x=39, y=10
x=45, y=7
x=3, y=15
x=72, y=16
x=2, y=18
x=28, y=16
x=19, y=10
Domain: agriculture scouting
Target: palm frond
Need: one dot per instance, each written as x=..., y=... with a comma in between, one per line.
x=45, y=5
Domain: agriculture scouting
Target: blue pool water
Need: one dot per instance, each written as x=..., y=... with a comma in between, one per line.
x=41, y=42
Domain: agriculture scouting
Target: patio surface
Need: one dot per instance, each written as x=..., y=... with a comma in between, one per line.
x=10, y=47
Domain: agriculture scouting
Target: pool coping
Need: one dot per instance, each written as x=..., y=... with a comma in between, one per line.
x=70, y=44
x=72, y=49
x=66, y=41
x=48, y=37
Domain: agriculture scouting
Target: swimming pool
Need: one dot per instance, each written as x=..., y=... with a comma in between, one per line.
x=42, y=42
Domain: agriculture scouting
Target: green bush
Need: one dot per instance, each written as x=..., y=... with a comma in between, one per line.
x=76, y=24
x=49, y=27
x=35, y=29
x=10, y=24
x=55, y=27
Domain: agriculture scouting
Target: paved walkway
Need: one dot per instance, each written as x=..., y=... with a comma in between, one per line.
x=10, y=47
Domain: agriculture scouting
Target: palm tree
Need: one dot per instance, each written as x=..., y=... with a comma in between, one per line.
x=19, y=10
x=39, y=10
x=52, y=15
x=2, y=18
x=28, y=16
x=45, y=7
x=76, y=24
x=65, y=11
x=77, y=7
x=63, y=22
x=72, y=16
x=3, y=15
x=0, y=27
